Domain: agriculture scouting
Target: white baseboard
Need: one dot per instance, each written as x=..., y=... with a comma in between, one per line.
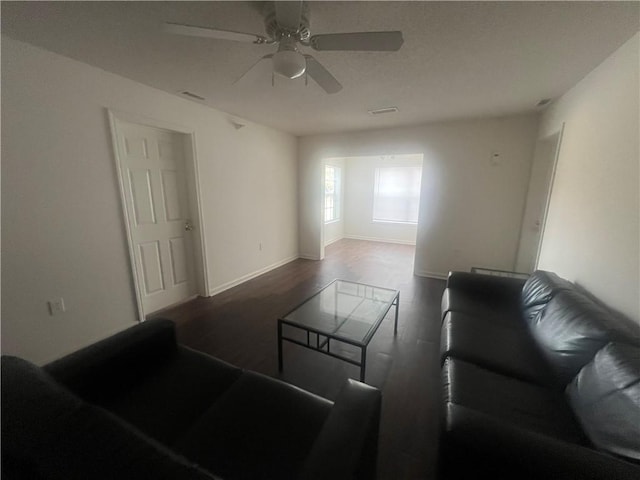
x=249, y=276
x=439, y=276
x=333, y=241
x=383, y=240
x=308, y=257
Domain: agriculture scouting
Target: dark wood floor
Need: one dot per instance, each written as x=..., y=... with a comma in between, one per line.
x=239, y=326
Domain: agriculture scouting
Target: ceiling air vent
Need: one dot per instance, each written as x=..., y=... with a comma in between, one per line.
x=191, y=95
x=381, y=111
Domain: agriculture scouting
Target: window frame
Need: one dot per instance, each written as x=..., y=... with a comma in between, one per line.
x=335, y=196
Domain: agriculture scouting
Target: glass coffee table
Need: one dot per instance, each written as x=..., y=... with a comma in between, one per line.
x=344, y=312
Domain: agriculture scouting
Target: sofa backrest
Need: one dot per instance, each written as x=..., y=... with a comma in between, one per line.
x=538, y=290
x=605, y=396
x=570, y=330
x=50, y=433
x=117, y=363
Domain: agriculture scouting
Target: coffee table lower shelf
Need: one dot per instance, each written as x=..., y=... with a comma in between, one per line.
x=323, y=340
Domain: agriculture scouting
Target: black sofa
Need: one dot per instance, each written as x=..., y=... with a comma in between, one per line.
x=140, y=406
x=540, y=381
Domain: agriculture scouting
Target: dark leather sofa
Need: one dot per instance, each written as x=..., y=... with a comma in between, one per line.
x=540, y=381
x=140, y=406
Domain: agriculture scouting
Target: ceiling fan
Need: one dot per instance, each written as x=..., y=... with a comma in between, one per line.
x=287, y=26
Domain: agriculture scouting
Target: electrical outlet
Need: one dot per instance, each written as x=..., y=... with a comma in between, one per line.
x=56, y=306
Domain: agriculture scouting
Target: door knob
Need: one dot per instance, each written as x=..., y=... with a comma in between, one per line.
x=188, y=226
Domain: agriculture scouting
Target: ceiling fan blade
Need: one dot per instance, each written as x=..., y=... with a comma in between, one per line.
x=270, y=55
x=359, y=41
x=288, y=14
x=322, y=76
x=193, y=31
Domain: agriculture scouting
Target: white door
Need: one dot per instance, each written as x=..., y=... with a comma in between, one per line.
x=535, y=213
x=154, y=188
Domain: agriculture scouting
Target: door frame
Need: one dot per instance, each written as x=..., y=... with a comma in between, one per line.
x=194, y=198
x=547, y=200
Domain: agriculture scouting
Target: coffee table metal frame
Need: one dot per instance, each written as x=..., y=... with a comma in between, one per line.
x=324, y=345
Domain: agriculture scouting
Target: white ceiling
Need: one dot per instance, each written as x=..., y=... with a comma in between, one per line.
x=459, y=59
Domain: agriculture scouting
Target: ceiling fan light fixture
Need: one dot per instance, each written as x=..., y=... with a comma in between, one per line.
x=289, y=63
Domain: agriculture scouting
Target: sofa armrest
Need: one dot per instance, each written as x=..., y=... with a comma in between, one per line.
x=478, y=283
x=116, y=363
x=346, y=447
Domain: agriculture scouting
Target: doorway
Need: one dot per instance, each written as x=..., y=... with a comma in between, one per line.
x=378, y=198
x=162, y=218
x=537, y=203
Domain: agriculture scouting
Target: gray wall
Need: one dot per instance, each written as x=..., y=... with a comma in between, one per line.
x=592, y=233
x=471, y=208
x=62, y=228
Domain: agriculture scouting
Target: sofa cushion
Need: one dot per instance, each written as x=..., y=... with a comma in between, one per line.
x=509, y=351
x=49, y=433
x=196, y=381
x=539, y=288
x=520, y=404
x=477, y=445
x=606, y=398
x=261, y=428
x=569, y=332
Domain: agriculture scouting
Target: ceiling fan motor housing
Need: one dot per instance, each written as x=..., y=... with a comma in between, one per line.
x=277, y=32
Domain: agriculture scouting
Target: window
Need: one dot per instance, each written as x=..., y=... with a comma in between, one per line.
x=331, y=193
x=396, y=196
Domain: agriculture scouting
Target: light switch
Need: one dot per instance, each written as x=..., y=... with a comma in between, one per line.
x=56, y=306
